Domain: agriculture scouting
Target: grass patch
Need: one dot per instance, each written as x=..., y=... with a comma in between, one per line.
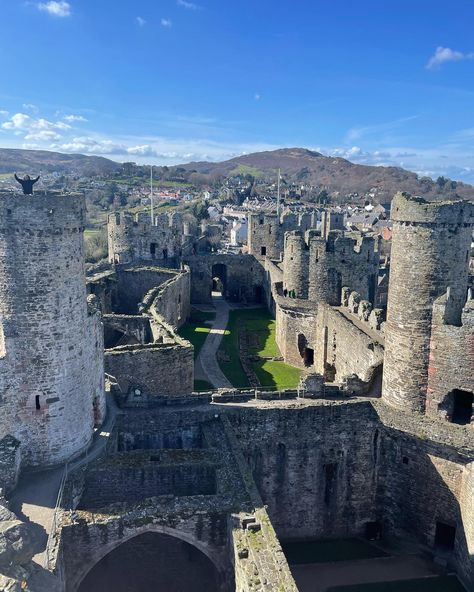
x=202, y=385
x=277, y=374
x=434, y=584
x=262, y=325
x=245, y=169
x=301, y=552
x=195, y=330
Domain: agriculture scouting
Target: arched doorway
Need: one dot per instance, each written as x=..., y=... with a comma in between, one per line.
x=219, y=278
x=307, y=353
x=153, y=561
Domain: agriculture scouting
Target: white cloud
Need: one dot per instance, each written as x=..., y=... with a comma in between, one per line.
x=30, y=107
x=3, y=113
x=30, y=128
x=188, y=5
x=166, y=23
x=141, y=21
x=145, y=150
x=60, y=9
x=73, y=118
x=442, y=55
x=43, y=136
x=257, y=97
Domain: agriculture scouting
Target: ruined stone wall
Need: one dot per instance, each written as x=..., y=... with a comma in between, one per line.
x=116, y=481
x=342, y=260
x=132, y=327
x=315, y=467
x=172, y=300
x=133, y=238
x=243, y=277
x=425, y=477
x=134, y=282
x=52, y=357
x=430, y=252
x=451, y=361
x=155, y=370
x=265, y=238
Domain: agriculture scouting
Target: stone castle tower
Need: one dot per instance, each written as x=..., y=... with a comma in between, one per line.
x=430, y=253
x=51, y=341
x=134, y=238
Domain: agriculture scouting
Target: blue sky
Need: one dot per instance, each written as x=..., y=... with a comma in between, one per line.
x=169, y=81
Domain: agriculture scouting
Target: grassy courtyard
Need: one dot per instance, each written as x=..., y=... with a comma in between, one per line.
x=261, y=325
x=197, y=329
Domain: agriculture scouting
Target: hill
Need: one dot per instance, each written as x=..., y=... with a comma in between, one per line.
x=42, y=161
x=334, y=174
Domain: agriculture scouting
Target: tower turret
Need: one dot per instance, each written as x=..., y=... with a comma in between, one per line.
x=51, y=352
x=430, y=252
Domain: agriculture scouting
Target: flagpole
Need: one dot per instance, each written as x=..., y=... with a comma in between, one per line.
x=151, y=194
x=278, y=194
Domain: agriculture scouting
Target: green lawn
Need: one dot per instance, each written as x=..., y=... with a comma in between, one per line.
x=196, y=330
x=277, y=374
x=301, y=552
x=271, y=374
x=435, y=584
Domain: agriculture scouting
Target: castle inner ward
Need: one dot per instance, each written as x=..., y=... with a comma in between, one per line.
x=99, y=406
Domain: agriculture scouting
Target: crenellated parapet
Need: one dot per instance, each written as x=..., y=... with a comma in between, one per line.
x=133, y=238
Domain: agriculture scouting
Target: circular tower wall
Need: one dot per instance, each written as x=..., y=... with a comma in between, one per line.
x=430, y=251
x=295, y=265
x=50, y=366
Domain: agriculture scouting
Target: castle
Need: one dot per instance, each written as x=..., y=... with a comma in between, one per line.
x=376, y=442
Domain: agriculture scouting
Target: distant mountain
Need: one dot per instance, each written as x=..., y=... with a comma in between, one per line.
x=34, y=162
x=334, y=174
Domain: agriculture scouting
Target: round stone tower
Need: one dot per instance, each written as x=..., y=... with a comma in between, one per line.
x=51, y=355
x=295, y=265
x=430, y=251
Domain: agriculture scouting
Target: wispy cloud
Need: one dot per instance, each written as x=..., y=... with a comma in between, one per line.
x=188, y=5
x=141, y=21
x=30, y=107
x=166, y=23
x=257, y=96
x=3, y=113
x=358, y=132
x=71, y=118
x=59, y=9
x=443, y=55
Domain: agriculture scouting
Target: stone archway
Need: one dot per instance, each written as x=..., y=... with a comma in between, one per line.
x=219, y=562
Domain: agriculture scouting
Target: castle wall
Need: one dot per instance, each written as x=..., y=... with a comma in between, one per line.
x=342, y=260
x=134, y=282
x=451, y=361
x=265, y=238
x=132, y=239
x=243, y=281
x=172, y=300
x=50, y=369
x=317, y=480
x=430, y=251
x=156, y=370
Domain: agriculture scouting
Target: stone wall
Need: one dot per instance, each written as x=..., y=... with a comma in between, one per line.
x=50, y=372
x=155, y=370
x=451, y=363
x=243, y=277
x=315, y=467
x=10, y=462
x=132, y=239
x=430, y=252
x=116, y=480
x=133, y=283
x=172, y=300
